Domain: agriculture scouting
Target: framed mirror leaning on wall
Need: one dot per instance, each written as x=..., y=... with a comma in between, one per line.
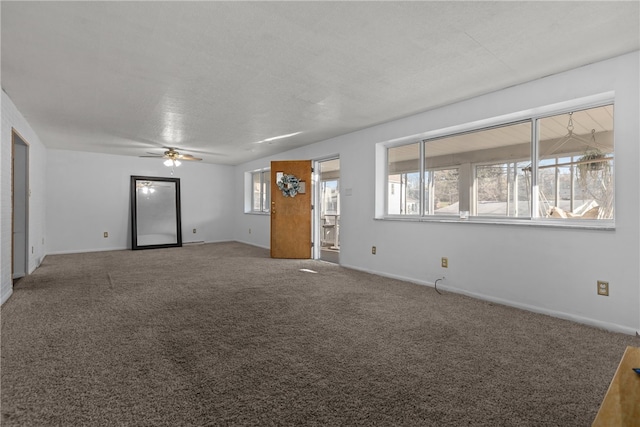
x=155, y=212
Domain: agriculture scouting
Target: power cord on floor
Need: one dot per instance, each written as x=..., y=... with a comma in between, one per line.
x=435, y=285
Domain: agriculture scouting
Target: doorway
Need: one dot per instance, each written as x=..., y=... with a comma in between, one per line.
x=19, y=205
x=328, y=212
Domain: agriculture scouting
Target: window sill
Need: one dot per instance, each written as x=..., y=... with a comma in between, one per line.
x=258, y=213
x=527, y=222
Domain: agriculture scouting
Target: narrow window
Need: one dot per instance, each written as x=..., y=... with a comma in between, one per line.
x=403, y=173
x=256, y=200
x=261, y=187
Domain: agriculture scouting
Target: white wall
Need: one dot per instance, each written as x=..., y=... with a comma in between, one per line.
x=12, y=118
x=89, y=194
x=549, y=270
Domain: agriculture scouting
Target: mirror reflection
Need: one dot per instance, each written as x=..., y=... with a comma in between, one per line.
x=155, y=212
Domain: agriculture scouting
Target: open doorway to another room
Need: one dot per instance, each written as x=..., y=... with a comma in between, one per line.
x=328, y=212
x=19, y=206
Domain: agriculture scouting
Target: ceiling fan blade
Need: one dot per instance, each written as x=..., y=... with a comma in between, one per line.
x=187, y=157
x=172, y=154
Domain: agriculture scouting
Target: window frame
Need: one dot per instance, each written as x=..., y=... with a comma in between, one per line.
x=534, y=115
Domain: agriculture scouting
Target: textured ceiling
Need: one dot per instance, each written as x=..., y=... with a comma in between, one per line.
x=220, y=80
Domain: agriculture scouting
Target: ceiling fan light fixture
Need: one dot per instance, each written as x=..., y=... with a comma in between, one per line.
x=172, y=158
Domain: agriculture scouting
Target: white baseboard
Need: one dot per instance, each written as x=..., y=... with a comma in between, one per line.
x=612, y=327
x=126, y=248
x=82, y=251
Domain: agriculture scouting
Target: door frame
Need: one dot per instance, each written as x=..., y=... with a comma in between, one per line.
x=17, y=138
x=316, y=220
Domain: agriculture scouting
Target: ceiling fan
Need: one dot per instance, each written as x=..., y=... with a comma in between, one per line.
x=173, y=157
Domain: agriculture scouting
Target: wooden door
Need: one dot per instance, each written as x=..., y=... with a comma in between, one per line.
x=291, y=216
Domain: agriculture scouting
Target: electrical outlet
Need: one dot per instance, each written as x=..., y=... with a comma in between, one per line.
x=194, y=231
x=106, y=234
x=373, y=250
x=249, y=231
x=603, y=288
x=444, y=262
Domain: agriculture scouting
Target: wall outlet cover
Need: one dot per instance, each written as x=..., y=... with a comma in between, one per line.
x=603, y=288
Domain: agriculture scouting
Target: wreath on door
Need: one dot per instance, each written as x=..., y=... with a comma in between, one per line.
x=289, y=185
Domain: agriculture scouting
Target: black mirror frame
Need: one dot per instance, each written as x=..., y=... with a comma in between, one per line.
x=134, y=213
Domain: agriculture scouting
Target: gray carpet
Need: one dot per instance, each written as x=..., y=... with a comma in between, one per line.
x=220, y=334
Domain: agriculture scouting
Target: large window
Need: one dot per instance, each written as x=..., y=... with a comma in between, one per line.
x=261, y=187
x=490, y=172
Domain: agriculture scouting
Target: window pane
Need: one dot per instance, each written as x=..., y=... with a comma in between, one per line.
x=260, y=191
x=403, y=180
x=445, y=191
x=491, y=161
x=329, y=194
x=441, y=196
x=575, y=171
x=502, y=189
x=257, y=192
x=266, y=191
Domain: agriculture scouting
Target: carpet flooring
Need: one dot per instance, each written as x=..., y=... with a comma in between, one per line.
x=222, y=335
